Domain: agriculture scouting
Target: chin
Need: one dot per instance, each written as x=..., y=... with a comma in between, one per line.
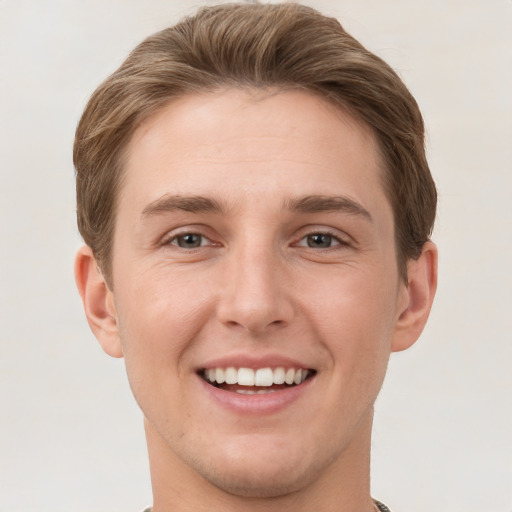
x=263, y=473
x=261, y=483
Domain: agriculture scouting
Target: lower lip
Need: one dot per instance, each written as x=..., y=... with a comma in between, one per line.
x=267, y=403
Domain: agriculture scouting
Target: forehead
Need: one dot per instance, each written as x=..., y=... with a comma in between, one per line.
x=244, y=144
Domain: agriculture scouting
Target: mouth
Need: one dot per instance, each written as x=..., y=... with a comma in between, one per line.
x=249, y=381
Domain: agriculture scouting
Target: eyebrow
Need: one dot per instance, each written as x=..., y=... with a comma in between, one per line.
x=318, y=204
x=192, y=204
x=304, y=204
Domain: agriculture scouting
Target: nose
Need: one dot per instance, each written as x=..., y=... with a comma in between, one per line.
x=254, y=293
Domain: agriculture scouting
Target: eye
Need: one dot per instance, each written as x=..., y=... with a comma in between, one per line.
x=320, y=241
x=189, y=240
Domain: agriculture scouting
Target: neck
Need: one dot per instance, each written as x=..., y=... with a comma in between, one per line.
x=342, y=486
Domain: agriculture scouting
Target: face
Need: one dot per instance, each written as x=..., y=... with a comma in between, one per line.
x=255, y=286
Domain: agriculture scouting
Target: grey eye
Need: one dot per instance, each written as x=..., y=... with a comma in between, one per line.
x=189, y=241
x=319, y=241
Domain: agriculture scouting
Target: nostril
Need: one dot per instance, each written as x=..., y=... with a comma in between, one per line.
x=255, y=327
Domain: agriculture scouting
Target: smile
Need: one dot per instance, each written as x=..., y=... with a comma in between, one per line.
x=251, y=381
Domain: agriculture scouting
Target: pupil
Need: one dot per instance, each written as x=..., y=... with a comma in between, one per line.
x=319, y=240
x=189, y=241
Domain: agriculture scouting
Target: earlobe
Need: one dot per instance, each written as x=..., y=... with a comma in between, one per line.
x=98, y=301
x=418, y=297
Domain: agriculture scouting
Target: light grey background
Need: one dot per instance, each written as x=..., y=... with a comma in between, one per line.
x=71, y=437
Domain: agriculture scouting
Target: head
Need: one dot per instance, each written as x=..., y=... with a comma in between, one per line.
x=254, y=194
x=223, y=47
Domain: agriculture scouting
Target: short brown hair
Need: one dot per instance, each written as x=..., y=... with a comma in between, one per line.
x=283, y=46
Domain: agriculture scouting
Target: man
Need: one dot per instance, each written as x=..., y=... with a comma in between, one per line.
x=256, y=205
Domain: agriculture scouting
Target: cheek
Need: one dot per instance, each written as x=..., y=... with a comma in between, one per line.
x=355, y=321
x=158, y=326
x=355, y=302
x=159, y=318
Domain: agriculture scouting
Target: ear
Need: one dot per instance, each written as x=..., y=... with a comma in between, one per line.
x=418, y=295
x=98, y=301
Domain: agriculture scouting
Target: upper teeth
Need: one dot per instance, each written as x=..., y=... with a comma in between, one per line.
x=259, y=377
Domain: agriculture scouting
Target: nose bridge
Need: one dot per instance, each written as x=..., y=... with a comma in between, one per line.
x=253, y=294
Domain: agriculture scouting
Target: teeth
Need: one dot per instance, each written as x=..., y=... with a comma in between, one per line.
x=231, y=375
x=279, y=374
x=220, y=375
x=264, y=377
x=252, y=392
x=246, y=377
x=290, y=376
x=261, y=377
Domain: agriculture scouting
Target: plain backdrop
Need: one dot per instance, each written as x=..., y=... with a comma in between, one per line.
x=71, y=436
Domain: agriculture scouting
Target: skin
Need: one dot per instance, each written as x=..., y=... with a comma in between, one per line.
x=258, y=286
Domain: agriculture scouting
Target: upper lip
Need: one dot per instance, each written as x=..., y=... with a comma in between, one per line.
x=245, y=361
